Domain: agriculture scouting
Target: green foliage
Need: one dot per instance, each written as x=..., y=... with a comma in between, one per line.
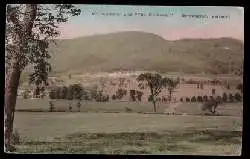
x=211, y=98
x=181, y=99
x=78, y=104
x=155, y=82
x=52, y=94
x=139, y=95
x=213, y=91
x=231, y=97
x=128, y=110
x=240, y=87
x=94, y=92
x=63, y=92
x=193, y=99
x=132, y=95
x=205, y=98
x=35, y=30
x=120, y=93
x=199, y=99
x=15, y=137
x=70, y=107
x=238, y=97
x=51, y=106
x=224, y=97
x=25, y=94
x=77, y=91
x=219, y=99
x=58, y=92
x=150, y=98
x=171, y=85
x=70, y=95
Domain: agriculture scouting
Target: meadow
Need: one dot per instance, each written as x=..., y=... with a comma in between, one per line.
x=107, y=128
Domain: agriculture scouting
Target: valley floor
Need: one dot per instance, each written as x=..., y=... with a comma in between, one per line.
x=127, y=133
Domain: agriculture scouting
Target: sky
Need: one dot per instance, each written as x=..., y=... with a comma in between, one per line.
x=172, y=26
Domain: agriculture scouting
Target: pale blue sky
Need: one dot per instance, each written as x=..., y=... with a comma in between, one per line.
x=173, y=27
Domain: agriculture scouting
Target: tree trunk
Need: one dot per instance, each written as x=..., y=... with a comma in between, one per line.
x=154, y=103
x=13, y=75
x=11, y=86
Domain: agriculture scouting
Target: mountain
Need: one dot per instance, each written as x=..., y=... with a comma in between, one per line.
x=145, y=51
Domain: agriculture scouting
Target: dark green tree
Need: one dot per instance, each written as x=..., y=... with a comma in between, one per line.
x=155, y=83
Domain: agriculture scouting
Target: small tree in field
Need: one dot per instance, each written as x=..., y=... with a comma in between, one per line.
x=171, y=85
x=155, y=83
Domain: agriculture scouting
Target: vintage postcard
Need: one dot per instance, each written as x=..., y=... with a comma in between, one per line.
x=120, y=79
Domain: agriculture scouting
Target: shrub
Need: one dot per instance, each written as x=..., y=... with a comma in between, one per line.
x=225, y=97
x=25, y=94
x=193, y=99
x=15, y=137
x=63, y=92
x=205, y=98
x=231, y=97
x=128, y=110
x=113, y=97
x=70, y=107
x=77, y=90
x=219, y=99
x=139, y=95
x=107, y=98
x=132, y=95
x=237, y=97
x=51, y=106
x=201, y=86
x=150, y=98
x=58, y=93
x=240, y=87
x=120, y=93
x=199, y=99
x=187, y=99
x=211, y=97
x=213, y=91
x=52, y=94
x=181, y=99
x=78, y=105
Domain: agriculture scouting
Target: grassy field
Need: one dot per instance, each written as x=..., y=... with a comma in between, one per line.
x=42, y=105
x=93, y=131
x=127, y=133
